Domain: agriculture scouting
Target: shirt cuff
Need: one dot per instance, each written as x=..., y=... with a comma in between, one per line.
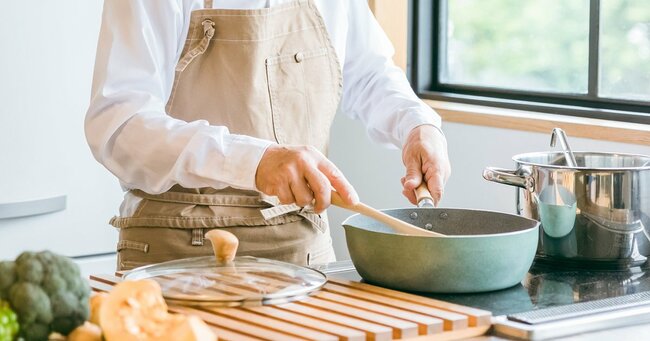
x=242, y=156
x=417, y=118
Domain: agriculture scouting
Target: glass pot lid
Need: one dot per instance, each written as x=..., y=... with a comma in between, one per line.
x=228, y=281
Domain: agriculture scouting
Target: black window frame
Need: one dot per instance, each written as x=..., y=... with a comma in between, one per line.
x=426, y=34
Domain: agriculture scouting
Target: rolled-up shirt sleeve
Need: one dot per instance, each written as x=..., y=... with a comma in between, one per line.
x=375, y=90
x=126, y=125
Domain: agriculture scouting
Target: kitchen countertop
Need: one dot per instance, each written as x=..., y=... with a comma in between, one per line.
x=545, y=287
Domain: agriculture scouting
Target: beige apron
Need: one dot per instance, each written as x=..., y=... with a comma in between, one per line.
x=270, y=73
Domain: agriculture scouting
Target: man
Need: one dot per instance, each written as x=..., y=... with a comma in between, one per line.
x=210, y=113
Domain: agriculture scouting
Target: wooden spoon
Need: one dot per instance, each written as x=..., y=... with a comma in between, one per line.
x=396, y=224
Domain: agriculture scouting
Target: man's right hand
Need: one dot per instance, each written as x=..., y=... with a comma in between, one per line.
x=301, y=175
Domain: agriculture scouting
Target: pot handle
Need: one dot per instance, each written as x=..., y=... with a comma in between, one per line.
x=508, y=177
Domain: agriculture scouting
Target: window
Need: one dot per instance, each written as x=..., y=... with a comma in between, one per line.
x=578, y=57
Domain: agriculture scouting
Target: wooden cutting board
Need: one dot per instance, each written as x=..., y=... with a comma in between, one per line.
x=342, y=310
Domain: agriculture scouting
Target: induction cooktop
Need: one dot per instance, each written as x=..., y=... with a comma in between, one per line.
x=558, y=301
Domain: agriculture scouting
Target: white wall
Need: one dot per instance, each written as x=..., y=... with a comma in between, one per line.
x=48, y=52
x=375, y=171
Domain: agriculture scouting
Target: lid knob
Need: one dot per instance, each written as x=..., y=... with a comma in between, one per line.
x=224, y=245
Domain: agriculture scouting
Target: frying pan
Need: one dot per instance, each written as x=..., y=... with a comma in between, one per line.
x=482, y=250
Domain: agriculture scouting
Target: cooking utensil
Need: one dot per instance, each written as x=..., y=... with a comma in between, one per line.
x=397, y=225
x=557, y=206
x=423, y=196
x=559, y=134
x=557, y=211
x=612, y=197
x=482, y=250
x=227, y=281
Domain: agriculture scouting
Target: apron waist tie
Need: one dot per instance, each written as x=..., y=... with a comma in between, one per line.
x=306, y=212
x=205, y=199
x=272, y=212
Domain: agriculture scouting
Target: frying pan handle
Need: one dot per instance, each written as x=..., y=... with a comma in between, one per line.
x=423, y=196
x=509, y=177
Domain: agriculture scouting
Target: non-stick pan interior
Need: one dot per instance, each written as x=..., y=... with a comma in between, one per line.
x=449, y=221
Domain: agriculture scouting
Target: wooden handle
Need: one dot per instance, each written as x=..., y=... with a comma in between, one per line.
x=224, y=245
x=396, y=224
x=422, y=193
x=336, y=200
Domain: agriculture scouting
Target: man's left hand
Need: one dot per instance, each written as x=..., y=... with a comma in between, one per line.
x=425, y=157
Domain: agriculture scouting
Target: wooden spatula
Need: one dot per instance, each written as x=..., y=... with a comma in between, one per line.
x=396, y=224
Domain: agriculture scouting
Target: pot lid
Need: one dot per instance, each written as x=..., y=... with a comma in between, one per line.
x=230, y=281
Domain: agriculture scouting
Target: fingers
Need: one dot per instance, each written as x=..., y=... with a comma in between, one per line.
x=425, y=158
x=301, y=174
x=301, y=192
x=285, y=195
x=409, y=194
x=339, y=182
x=321, y=188
x=433, y=175
x=413, y=177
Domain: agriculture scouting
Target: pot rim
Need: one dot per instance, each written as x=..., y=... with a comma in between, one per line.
x=536, y=226
x=517, y=158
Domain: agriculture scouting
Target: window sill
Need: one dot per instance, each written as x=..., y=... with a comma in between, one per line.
x=592, y=128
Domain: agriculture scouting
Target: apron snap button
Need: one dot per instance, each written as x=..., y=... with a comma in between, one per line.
x=299, y=57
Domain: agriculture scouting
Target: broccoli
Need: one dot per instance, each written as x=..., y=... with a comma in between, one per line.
x=8, y=322
x=47, y=293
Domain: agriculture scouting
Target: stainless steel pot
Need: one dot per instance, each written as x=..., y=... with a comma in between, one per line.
x=594, y=215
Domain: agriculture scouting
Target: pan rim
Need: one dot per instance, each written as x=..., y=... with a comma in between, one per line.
x=536, y=223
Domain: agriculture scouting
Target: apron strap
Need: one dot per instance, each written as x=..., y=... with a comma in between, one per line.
x=203, y=199
x=305, y=212
x=207, y=4
x=315, y=219
x=208, y=33
x=270, y=209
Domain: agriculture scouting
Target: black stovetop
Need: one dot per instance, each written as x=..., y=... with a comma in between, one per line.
x=542, y=287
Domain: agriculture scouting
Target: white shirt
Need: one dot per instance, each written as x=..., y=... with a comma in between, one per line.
x=139, y=45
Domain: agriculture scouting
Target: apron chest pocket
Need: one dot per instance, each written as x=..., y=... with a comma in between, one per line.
x=304, y=94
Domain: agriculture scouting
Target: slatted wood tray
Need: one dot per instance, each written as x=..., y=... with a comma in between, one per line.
x=342, y=310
